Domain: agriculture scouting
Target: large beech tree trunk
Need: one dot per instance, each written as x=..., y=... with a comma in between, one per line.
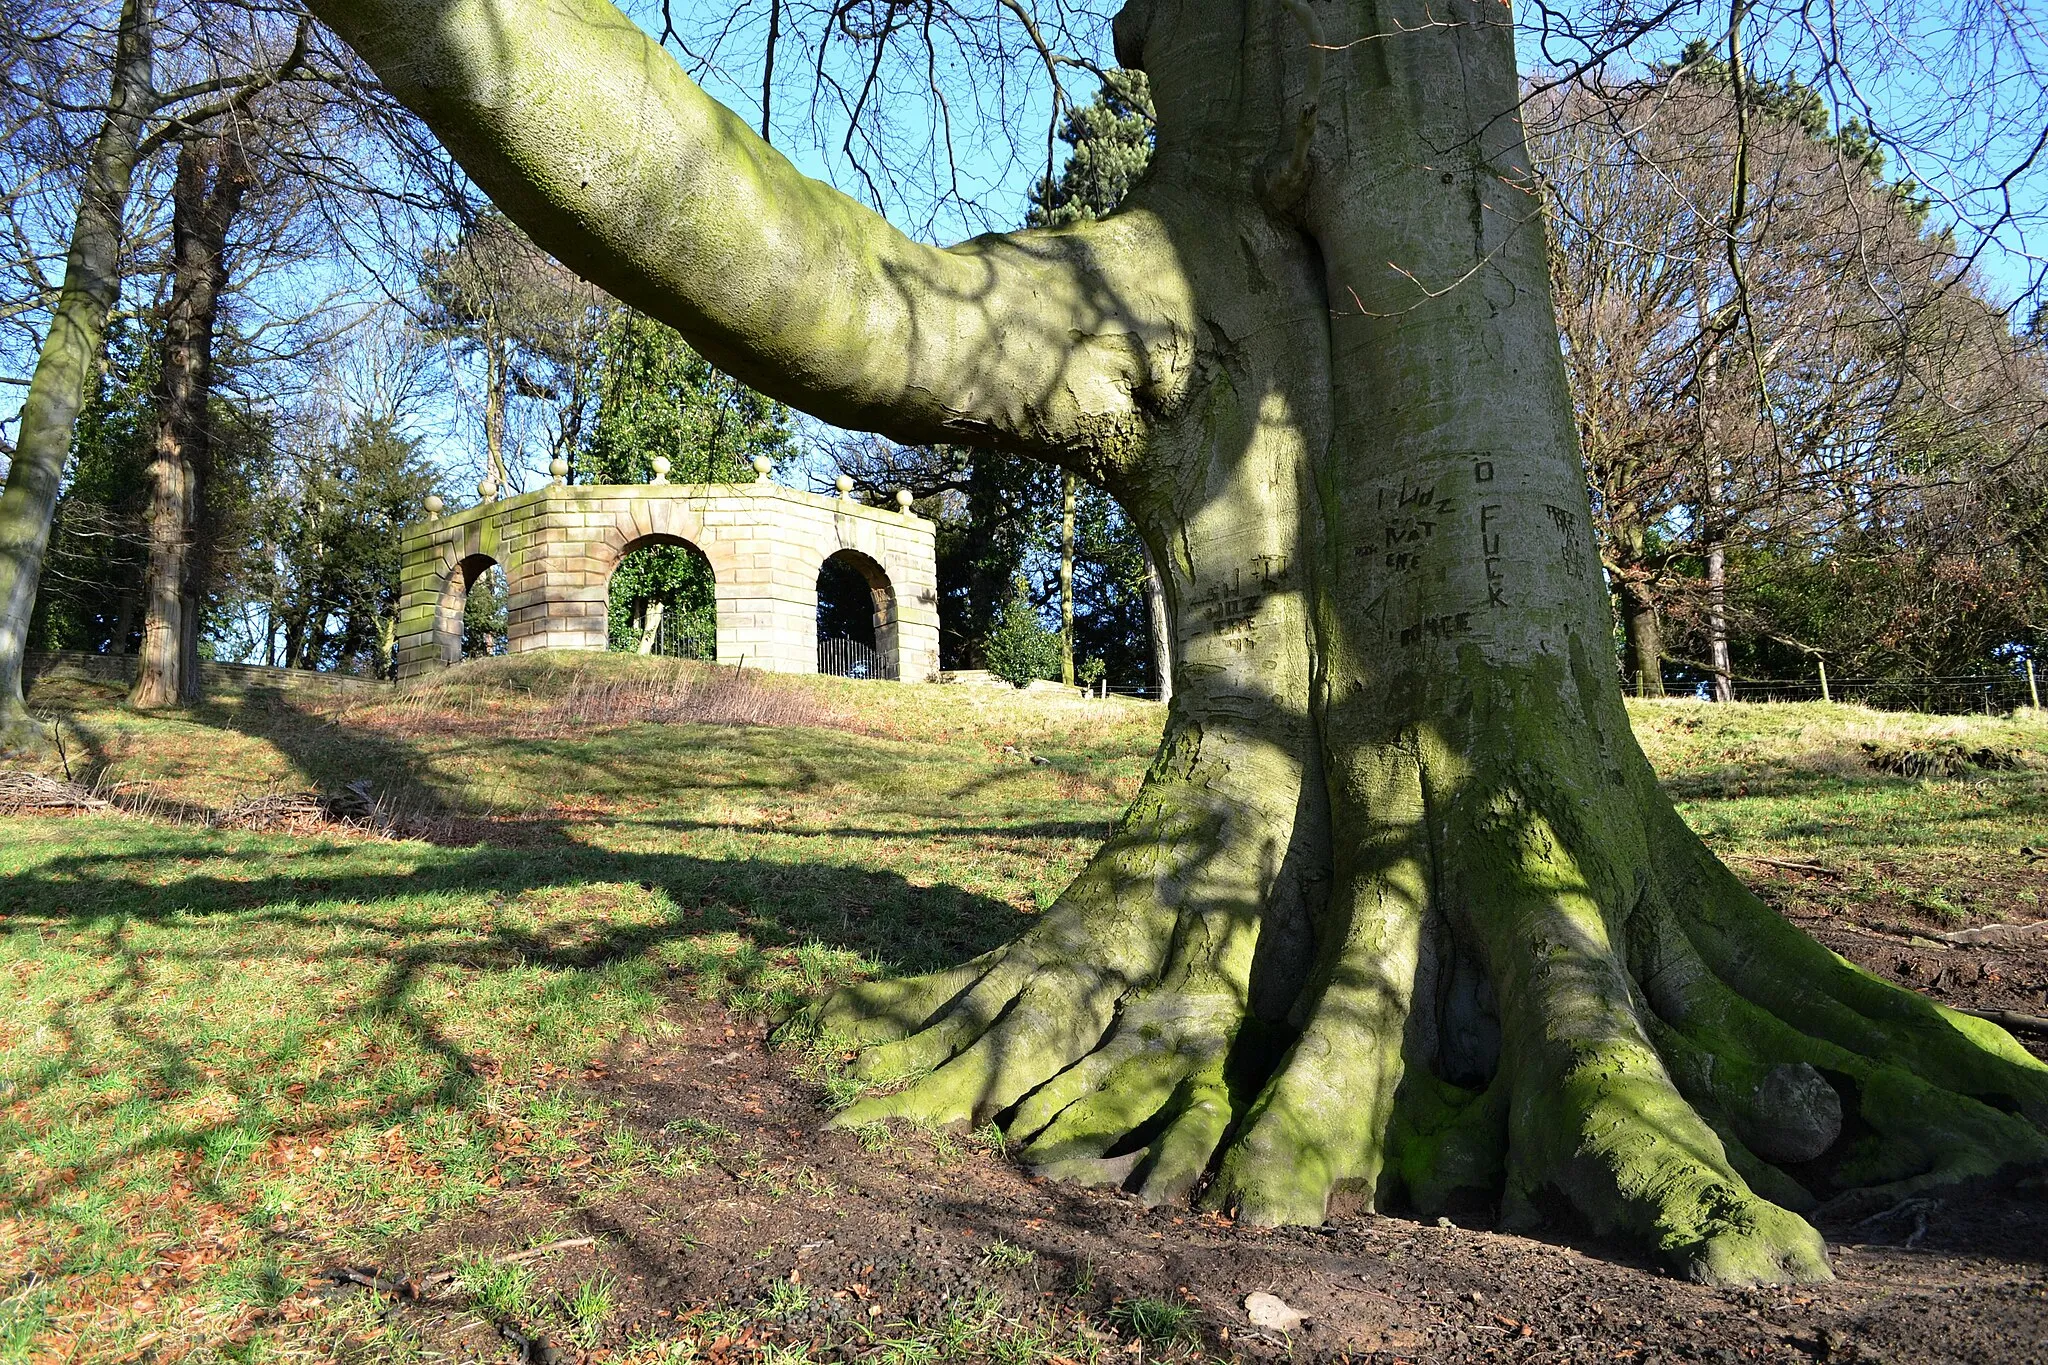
x=213, y=176
x=57, y=388
x=1399, y=912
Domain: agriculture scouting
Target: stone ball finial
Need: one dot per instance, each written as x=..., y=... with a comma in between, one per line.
x=845, y=485
x=903, y=500
x=434, y=506
x=762, y=464
x=661, y=468
x=559, y=467
x=487, y=489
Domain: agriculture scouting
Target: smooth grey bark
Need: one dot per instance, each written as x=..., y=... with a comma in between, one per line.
x=64, y=368
x=213, y=177
x=650, y=626
x=1069, y=489
x=1399, y=910
x=1717, y=619
x=1158, y=630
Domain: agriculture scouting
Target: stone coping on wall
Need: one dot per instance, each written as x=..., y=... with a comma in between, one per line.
x=420, y=532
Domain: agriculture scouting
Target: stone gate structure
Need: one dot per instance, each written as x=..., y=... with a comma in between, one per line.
x=766, y=545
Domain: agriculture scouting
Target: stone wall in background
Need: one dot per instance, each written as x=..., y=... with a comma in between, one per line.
x=765, y=543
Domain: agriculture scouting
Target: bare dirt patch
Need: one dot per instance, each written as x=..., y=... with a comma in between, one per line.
x=784, y=1238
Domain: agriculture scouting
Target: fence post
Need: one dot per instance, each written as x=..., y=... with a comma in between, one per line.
x=1823, y=678
x=2033, y=688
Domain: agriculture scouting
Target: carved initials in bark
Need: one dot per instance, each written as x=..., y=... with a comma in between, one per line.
x=1399, y=908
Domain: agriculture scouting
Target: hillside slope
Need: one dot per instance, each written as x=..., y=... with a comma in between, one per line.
x=513, y=987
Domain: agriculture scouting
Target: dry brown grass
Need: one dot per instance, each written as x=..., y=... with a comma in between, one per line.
x=523, y=705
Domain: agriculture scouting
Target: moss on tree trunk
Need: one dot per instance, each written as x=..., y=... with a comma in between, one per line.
x=1399, y=910
x=64, y=368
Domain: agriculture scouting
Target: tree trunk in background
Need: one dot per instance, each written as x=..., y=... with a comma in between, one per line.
x=124, y=622
x=1717, y=620
x=57, y=389
x=213, y=177
x=1399, y=909
x=1642, y=630
x=650, y=626
x=497, y=367
x=1710, y=505
x=1068, y=488
x=1644, y=637
x=1160, y=628
x=170, y=517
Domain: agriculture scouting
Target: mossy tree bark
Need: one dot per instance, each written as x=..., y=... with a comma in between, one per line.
x=1399, y=911
x=71, y=349
x=213, y=177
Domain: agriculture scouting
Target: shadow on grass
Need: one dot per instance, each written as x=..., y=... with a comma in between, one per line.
x=393, y=915
x=547, y=926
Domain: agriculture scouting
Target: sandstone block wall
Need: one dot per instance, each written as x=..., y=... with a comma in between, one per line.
x=559, y=546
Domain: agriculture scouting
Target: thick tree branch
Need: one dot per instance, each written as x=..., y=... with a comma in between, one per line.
x=183, y=123
x=589, y=136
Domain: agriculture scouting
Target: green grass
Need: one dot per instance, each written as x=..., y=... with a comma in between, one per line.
x=1157, y=1323
x=591, y=1306
x=229, y=1059
x=1002, y=1255
x=221, y=1048
x=1794, y=783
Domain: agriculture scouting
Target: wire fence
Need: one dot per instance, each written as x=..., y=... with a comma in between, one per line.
x=844, y=657
x=1959, y=694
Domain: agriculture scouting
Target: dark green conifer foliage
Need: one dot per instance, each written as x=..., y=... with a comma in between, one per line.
x=1110, y=141
x=1020, y=649
x=333, y=525
x=659, y=397
x=88, y=598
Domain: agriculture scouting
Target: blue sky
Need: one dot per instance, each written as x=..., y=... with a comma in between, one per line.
x=1963, y=112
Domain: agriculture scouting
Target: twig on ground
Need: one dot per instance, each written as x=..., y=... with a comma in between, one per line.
x=420, y=1288
x=1997, y=933
x=1786, y=862
x=368, y=1281
x=24, y=792
x=2031, y=1023
x=441, y=1277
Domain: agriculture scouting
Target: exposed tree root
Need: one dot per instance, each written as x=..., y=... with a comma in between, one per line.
x=22, y=736
x=1609, y=1032
x=1121, y=1008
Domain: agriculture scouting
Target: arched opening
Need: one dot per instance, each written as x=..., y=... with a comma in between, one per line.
x=856, y=618
x=485, y=622
x=663, y=601
x=472, y=620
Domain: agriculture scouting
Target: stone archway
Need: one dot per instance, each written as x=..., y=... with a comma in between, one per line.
x=857, y=634
x=560, y=545
x=451, y=612
x=612, y=593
